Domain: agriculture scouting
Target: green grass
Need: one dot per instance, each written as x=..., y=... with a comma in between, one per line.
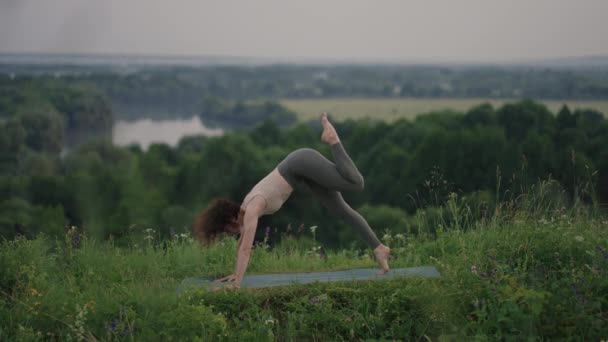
x=532, y=270
x=393, y=109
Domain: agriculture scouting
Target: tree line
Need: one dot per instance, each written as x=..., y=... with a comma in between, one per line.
x=409, y=165
x=167, y=92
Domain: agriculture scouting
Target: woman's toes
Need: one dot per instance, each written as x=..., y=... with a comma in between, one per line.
x=382, y=254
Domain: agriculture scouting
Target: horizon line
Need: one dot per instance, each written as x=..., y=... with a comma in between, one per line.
x=307, y=60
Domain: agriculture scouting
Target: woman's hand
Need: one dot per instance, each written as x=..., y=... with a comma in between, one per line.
x=232, y=286
x=225, y=287
x=231, y=277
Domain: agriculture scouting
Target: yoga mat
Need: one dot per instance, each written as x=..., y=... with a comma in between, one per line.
x=282, y=279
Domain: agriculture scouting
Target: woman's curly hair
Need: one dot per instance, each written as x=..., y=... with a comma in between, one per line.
x=213, y=220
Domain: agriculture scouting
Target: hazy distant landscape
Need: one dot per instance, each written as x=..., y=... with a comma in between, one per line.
x=175, y=89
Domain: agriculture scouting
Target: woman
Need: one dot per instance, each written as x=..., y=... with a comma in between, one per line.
x=303, y=167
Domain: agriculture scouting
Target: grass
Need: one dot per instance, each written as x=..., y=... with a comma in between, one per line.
x=531, y=270
x=393, y=109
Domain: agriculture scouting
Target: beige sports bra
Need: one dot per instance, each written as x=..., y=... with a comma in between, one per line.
x=273, y=188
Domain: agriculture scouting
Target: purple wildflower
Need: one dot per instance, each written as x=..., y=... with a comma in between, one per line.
x=112, y=326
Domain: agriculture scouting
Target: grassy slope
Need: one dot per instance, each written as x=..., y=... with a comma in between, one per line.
x=393, y=109
x=533, y=276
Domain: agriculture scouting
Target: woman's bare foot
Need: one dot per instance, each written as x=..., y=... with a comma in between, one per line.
x=382, y=253
x=329, y=135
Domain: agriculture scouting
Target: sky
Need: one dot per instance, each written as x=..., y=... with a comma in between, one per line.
x=354, y=30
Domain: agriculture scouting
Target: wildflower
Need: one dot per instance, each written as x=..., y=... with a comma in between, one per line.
x=387, y=237
x=319, y=299
x=399, y=237
x=35, y=293
x=313, y=229
x=270, y=320
x=112, y=326
x=474, y=269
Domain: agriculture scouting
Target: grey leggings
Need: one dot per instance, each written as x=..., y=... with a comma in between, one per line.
x=307, y=168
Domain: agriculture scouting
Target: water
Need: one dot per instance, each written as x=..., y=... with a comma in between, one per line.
x=145, y=131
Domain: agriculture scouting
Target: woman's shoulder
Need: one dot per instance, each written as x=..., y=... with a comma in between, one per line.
x=255, y=204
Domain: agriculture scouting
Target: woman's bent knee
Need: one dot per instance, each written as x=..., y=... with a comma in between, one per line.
x=360, y=184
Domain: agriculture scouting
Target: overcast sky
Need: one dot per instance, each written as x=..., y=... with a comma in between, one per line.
x=400, y=30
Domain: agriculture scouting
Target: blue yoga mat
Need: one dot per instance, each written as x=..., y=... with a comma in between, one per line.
x=282, y=279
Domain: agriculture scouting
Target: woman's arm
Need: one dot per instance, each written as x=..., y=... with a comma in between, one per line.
x=231, y=277
x=250, y=224
x=238, y=244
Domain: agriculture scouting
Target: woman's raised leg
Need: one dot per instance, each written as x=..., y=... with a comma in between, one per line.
x=310, y=164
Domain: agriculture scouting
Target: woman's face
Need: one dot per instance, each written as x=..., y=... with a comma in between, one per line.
x=233, y=227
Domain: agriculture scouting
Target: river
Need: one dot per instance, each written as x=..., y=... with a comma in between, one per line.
x=145, y=131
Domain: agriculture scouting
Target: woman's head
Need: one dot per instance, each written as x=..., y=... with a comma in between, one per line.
x=221, y=216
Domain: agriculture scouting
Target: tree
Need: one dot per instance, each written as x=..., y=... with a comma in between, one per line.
x=12, y=142
x=482, y=115
x=15, y=217
x=44, y=132
x=520, y=118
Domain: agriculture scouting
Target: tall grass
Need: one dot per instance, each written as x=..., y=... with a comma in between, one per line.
x=522, y=267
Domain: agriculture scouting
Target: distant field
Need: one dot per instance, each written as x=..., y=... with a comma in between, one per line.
x=393, y=109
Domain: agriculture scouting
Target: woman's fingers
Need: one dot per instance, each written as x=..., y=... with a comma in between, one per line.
x=225, y=287
x=226, y=278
